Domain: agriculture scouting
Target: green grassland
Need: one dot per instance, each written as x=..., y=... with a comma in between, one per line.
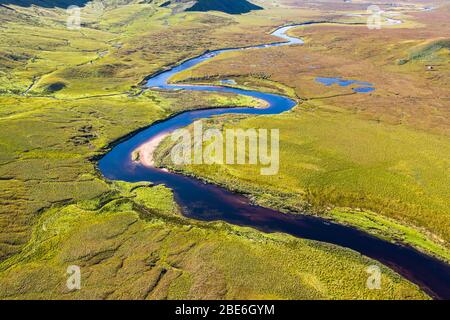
x=331, y=159
x=46, y=147
x=131, y=243
x=65, y=96
x=107, y=57
x=377, y=161
x=437, y=51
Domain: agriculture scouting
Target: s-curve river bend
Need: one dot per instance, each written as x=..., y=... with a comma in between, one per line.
x=209, y=202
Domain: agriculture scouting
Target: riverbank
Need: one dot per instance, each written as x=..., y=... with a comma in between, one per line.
x=208, y=202
x=129, y=239
x=297, y=196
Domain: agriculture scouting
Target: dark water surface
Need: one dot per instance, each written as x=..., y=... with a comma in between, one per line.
x=208, y=202
x=357, y=86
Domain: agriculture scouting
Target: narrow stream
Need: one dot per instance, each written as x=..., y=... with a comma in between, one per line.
x=209, y=202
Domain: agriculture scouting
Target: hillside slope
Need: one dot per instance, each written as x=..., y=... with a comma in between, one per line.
x=45, y=3
x=228, y=6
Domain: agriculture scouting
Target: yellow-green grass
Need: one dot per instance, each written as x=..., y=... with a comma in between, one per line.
x=408, y=93
x=331, y=158
x=48, y=181
x=391, y=230
x=132, y=244
x=79, y=88
x=111, y=53
x=377, y=159
x=46, y=146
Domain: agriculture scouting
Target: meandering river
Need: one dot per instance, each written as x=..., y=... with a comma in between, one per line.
x=209, y=202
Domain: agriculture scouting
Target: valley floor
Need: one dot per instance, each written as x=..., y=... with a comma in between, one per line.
x=377, y=161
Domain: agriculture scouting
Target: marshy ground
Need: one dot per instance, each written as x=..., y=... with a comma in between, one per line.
x=378, y=160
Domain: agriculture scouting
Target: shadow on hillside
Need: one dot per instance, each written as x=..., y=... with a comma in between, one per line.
x=227, y=6
x=45, y=3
